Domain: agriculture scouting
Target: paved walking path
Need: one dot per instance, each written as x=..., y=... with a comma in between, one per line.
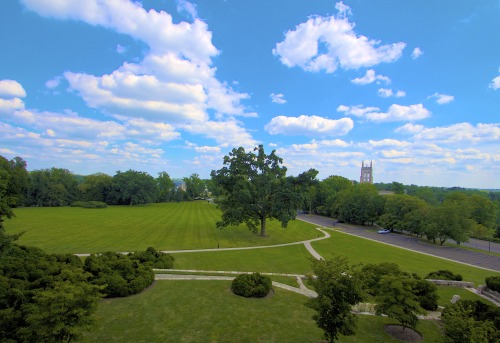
x=306, y=243
x=301, y=290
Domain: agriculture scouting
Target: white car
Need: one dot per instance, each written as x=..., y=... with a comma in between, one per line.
x=384, y=231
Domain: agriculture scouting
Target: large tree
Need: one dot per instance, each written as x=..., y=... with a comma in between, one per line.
x=132, y=188
x=251, y=188
x=338, y=288
x=166, y=187
x=360, y=204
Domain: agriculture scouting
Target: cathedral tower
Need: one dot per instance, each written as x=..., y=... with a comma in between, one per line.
x=366, y=173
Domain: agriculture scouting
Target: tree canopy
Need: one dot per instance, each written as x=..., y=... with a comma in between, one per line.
x=251, y=188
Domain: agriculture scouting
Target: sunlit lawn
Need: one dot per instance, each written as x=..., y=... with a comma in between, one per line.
x=206, y=311
x=365, y=251
x=166, y=226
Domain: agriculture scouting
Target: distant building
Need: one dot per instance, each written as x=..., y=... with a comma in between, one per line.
x=366, y=173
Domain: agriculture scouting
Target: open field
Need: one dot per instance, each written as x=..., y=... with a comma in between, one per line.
x=166, y=226
x=206, y=311
x=364, y=251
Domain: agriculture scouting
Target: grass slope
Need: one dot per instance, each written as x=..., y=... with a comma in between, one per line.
x=166, y=226
x=361, y=250
x=206, y=311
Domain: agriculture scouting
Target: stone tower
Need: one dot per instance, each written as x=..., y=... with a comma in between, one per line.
x=366, y=173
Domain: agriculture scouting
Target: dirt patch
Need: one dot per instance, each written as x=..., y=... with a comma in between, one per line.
x=408, y=335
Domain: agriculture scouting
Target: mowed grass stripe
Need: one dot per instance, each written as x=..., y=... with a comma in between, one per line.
x=166, y=226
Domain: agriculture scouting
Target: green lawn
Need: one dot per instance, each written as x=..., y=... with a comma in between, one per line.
x=206, y=311
x=293, y=259
x=166, y=226
x=446, y=293
x=361, y=250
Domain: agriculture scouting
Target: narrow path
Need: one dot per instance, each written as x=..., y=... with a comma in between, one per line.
x=303, y=291
x=307, y=244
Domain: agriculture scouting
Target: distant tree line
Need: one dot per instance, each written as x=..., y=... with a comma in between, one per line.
x=60, y=187
x=254, y=186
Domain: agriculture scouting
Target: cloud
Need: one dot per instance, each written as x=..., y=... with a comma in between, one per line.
x=11, y=89
x=495, y=83
x=442, y=99
x=409, y=128
x=188, y=8
x=461, y=132
x=303, y=46
x=400, y=113
x=394, y=113
x=121, y=49
x=387, y=92
x=387, y=143
x=309, y=126
x=278, y=98
x=357, y=110
x=53, y=83
x=370, y=77
x=416, y=53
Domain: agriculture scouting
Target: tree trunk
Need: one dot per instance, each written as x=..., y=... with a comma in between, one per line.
x=262, y=227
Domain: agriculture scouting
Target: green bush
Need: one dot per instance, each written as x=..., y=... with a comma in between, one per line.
x=493, y=283
x=251, y=285
x=444, y=275
x=426, y=293
x=89, y=204
x=156, y=259
x=121, y=275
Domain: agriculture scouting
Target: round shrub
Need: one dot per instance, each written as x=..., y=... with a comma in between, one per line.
x=251, y=285
x=444, y=275
x=493, y=283
x=156, y=259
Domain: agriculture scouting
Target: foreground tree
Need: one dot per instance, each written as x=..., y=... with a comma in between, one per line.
x=338, y=289
x=252, y=188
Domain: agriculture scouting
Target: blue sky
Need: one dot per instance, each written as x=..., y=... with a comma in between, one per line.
x=164, y=85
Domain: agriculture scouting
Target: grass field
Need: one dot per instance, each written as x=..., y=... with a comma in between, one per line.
x=166, y=226
x=206, y=311
x=364, y=251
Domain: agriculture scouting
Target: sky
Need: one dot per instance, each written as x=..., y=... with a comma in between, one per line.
x=173, y=85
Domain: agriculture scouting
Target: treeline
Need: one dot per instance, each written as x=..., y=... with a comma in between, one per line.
x=60, y=187
x=435, y=213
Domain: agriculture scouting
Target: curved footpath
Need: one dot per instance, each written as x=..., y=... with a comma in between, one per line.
x=456, y=254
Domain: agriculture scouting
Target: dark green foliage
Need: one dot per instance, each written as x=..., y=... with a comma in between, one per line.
x=43, y=298
x=52, y=187
x=132, y=188
x=252, y=188
x=426, y=293
x=251, y=285
x=397, y=300
x=95, y=187
x=338, y=288
x=444, y=275
x=156, y=259
x=493, y=283
x=371, y=274
x=89, y=204
x=360, y=204
x=471, y=321
x=121, y=275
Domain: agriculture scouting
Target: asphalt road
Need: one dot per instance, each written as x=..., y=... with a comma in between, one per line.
x=457, y=254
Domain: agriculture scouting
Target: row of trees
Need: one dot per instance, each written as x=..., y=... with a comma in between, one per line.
x=60, y=187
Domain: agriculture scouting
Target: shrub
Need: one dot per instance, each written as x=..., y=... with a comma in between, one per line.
x=493, y=283
x=444, y=275
x=426, y=293
x=89, y=204
x=120, y=275
x=156, y=259
x=251, y=285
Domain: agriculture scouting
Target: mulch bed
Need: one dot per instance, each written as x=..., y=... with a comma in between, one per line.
x=408, y=335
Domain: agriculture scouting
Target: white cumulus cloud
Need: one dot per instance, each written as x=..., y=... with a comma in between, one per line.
x=400, y=113
x=442, y=99
x=416, y=53
x=495, y=83
x=370, y=77
x=309, y=126
x=343, y=46
x=11, y=89
x=387, y=92
x=278, y=98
